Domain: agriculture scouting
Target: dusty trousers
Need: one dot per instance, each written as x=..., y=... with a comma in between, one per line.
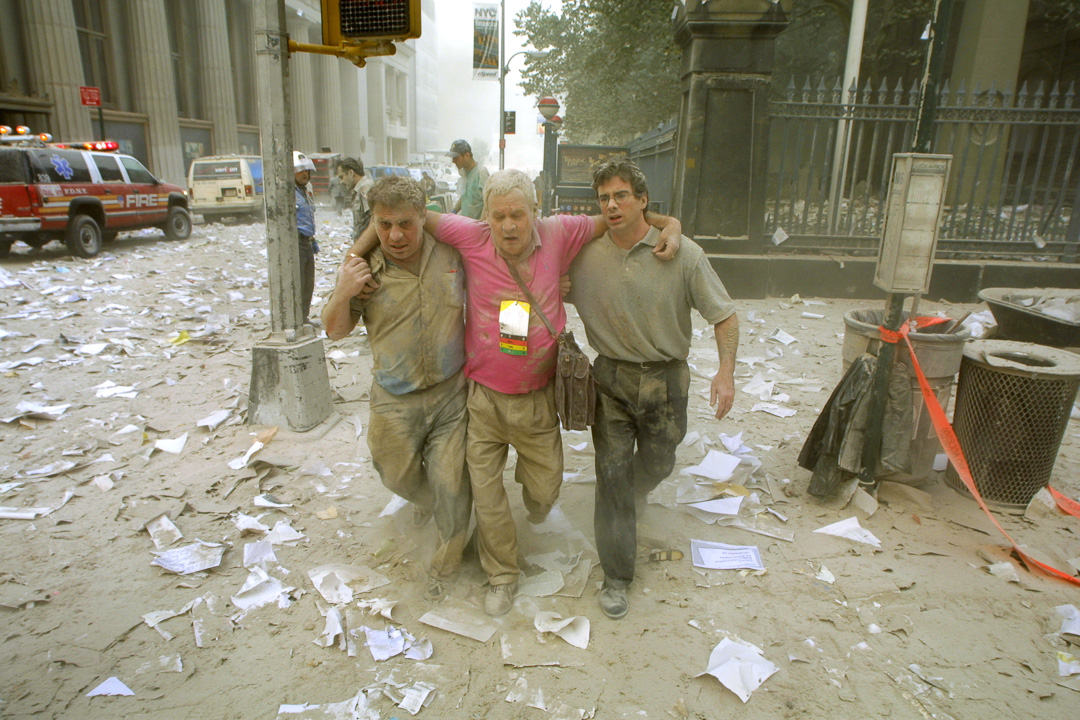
x=529, y=423
x=307, y=275
x=640, y=421
x=417, y=443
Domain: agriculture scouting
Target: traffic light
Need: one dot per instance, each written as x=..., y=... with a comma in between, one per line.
x=509, y=122
x=352, y=21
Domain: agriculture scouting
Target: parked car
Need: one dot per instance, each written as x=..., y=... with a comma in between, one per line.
x=227, y=186
x=380, y=171
x=81, y=193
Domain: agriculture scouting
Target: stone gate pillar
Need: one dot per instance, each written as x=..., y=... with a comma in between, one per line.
x=720, y=160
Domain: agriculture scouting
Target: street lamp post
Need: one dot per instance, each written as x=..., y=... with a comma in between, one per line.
x=535, y=55
x=548, y=107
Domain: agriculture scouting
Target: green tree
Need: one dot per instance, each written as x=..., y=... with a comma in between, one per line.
x=613, y=64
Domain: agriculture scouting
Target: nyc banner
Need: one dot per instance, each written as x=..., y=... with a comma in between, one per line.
x=485, y=41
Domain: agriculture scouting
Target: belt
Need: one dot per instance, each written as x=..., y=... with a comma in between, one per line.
x=650, y=365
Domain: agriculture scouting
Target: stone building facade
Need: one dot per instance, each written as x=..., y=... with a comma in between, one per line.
x=177, y=81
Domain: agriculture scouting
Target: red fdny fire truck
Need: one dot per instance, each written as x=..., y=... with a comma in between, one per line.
x=82, y=194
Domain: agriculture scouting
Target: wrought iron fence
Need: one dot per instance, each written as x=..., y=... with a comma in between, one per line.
x=1012, y=187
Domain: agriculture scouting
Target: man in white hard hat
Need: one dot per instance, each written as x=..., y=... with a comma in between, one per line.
x=305, y=228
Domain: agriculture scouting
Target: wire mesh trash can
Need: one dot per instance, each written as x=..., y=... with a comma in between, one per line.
x=939, y=357
x=1013, y=402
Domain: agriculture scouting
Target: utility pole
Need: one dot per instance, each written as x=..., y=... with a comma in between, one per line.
x=289, y=381
x=924, y=136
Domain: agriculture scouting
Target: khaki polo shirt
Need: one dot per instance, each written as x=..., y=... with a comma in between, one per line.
x=636, y=307
x=415, y=323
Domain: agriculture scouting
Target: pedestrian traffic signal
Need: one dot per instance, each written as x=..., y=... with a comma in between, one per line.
x=352, y=21
x=509, y=122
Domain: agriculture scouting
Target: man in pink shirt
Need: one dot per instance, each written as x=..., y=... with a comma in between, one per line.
x=510, y=356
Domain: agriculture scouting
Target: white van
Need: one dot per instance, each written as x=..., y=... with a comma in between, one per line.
x=226, y=186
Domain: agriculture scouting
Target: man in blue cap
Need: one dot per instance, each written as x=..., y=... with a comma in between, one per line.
x=471, y=185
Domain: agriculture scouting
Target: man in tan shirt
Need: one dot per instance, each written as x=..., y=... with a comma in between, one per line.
x=416, y=326
x=636, y=311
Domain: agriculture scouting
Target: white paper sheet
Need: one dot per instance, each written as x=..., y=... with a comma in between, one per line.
x=242, y=461
x=211, y=421
x=247, y=524
x=261, y=589
x=739, y=666
x=542, y=585
x=191, y=558
x=284, y=534
x=720, y=506
x=163, y=532
x=1070, y=619
x=721, y=556
x=461, y=618
x=716, y=466
x=112, y=686
x=852, y=530
x=259, y=553
x=574, y=630
x=333, y=581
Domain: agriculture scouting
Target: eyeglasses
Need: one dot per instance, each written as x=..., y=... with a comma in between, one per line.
x=621, y=198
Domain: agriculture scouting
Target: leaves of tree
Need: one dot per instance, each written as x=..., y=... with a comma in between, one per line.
x=613, y=63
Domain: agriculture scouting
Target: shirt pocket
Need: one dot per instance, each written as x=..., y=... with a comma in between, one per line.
x=453, y=288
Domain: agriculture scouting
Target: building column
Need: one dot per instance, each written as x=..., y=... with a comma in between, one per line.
x=154, y=87
x=721, y=157
x=305, y=138
x=353, y=127
x=218, y=97
x=56, y=70
x=330, y=121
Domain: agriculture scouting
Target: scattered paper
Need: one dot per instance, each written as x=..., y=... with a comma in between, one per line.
x=247, y=524
x=211, y=421
x=461, y=618
x=172, y=446
x=739, y=666
x=242, y=461
x=191, y=558
x=720, y=506
x=112, y=686
x=259, y=554
x=773, y=409
x=284, y=534
x=163, y=532
x=261, y=589
x=416, y=697
x=1070, y=619
x=574, y=630
x=715, y=466
x=378, y=606
x=852, y=530
x=779, y=336
x=542, y=585
x=332, y=581
x=720, y=556
x=267, y=500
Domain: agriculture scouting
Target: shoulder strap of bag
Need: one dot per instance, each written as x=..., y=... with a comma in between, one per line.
x=529, y=296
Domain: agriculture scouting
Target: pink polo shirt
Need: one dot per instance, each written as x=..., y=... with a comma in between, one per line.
x=489, y=283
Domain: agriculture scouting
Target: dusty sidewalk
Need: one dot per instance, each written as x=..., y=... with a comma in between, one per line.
x=918, y=628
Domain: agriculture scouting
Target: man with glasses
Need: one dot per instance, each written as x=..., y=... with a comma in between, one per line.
x=510, y=356
x=636, y=311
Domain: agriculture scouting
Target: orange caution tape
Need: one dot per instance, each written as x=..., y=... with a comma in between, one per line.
x=893, y=336
x=952, y=448
x=1066, y=504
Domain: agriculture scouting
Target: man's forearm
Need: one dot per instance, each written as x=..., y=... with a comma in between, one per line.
x=365, y=242
x=337, y=316
x=727, y=342
x=659, y=221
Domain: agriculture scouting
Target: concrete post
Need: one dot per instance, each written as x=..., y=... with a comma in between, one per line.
x=155, y=88
x=721, y=158
x=218, y=98
x=303, y=92
x=57, y=71
x=289, y=381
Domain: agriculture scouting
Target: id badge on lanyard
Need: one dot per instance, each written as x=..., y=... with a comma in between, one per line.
x=514, y=327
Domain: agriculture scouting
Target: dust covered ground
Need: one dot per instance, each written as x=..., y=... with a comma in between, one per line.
x=150, y=338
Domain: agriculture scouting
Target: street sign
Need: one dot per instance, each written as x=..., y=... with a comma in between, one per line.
x=90, y=96
x=509, y=122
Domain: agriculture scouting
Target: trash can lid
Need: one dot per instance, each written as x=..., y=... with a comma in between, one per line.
x=1020, y=358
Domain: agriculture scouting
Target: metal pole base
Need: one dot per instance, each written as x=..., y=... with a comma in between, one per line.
x=289, y=385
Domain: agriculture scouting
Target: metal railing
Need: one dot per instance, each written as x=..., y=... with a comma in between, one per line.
x=1012, y=187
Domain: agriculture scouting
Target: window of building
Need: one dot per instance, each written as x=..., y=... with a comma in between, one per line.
x=95, y=48
x=181, y=20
